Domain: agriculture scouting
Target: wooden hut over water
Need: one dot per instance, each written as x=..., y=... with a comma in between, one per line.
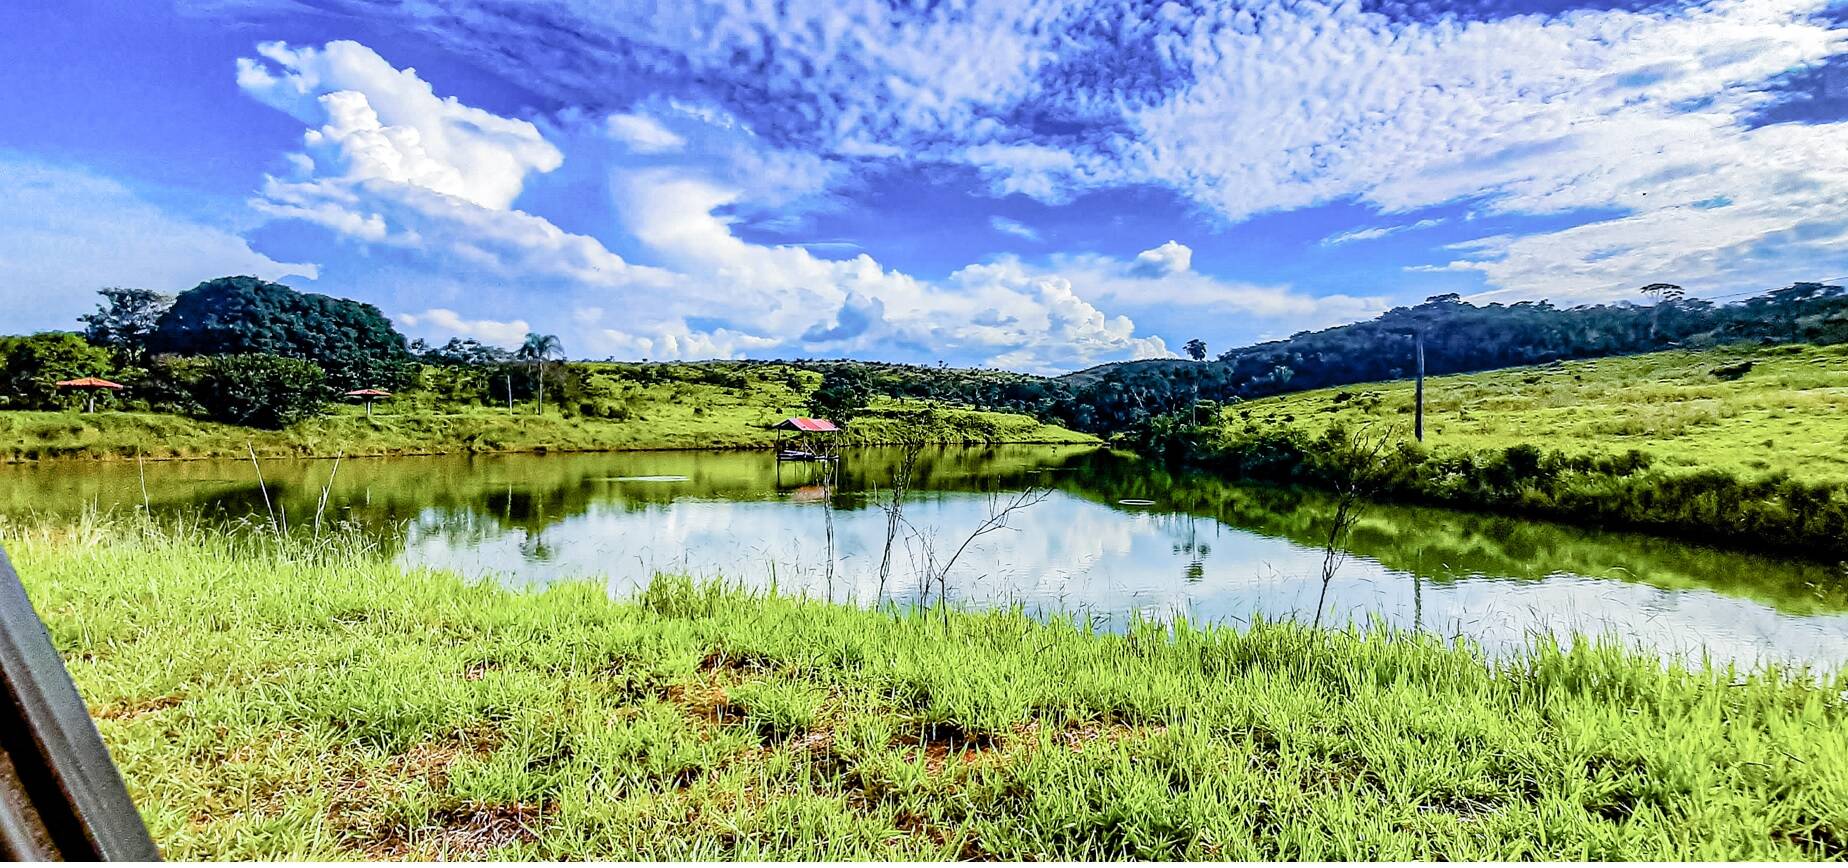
x=807, y=439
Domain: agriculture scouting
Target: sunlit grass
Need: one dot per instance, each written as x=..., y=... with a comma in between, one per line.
x=1788, y=413
x=310, y=700
x=701, y=417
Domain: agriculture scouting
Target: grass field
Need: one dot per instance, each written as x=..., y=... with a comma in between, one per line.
x=1788, y=413
x=699, y=418
x=318, y=703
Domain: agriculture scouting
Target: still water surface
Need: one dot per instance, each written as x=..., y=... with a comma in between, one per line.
x=1115, y=538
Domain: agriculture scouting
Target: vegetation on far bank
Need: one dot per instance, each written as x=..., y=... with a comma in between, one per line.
x=1743, y=444
x=1458, y=337
x=701, y=419
x=314, y=701
x=238, y=361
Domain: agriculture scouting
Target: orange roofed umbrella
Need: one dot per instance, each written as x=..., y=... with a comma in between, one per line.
x=91, y=385
x=369, y=395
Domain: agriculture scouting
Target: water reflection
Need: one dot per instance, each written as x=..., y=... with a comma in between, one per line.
x=1117, y=537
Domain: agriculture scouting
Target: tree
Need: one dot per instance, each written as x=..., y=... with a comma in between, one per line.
x=1196, y=349
x=1659, y=294
x=843, y=393
x=465, y=352
x=31, y=366
x=124, y=321
x=261, y=390
x=352, y=342
x=539, y=348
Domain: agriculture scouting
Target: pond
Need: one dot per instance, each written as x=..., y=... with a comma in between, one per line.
x=1113, y=538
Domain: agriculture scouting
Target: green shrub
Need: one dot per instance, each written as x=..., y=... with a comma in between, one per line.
x=31, y=366
x=260, y=390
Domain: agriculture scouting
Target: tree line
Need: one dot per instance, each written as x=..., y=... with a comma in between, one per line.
x=239, y=349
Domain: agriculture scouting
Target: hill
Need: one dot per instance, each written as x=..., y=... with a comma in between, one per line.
x=1740, y=445
x=1745, y=410
x=1458, y=337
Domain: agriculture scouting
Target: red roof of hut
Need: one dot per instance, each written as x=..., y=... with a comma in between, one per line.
x=89, y=383
x=804, y=423
x=368, y=393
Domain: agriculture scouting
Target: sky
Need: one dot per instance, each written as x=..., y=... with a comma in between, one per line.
x=1039, y=186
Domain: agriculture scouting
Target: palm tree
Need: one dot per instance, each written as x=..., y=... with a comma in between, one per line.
x=538, y=348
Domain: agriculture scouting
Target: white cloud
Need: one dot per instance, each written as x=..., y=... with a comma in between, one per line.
x=379, y=123
x=1168, y=258
x=444, y=322
x=1376, y=232
x=680, y=209
x=643, y=134
x=392, y=163
x=1015, y=228
x=66, y=232
x=1647, y=112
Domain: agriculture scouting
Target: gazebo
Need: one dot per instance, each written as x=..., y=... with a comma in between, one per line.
x=805, y=428
x=90, y=386
x=369, y=396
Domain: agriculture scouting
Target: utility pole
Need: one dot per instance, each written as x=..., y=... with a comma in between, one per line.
x=509, y=379
x=1418, y=413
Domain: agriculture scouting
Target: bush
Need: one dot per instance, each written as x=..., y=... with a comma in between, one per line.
x=262, y=391
x=31, y=366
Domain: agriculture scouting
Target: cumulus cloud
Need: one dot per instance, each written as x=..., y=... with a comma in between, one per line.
x=66, y=232
x=387, y=161
x=1171, y=257
x=373, y=122
x=360, y=176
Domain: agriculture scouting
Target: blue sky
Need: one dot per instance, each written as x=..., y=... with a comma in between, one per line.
x=1033, y=185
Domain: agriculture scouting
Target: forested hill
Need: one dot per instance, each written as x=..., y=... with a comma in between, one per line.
x=1459, y=338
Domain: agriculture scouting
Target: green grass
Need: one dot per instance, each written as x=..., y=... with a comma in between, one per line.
x=697, y=417
x=319, y=703
x=1788, y=414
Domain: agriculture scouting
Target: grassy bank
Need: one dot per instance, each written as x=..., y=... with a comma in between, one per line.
x=322, y=704
x=1788, y=413
x=1743, y=444
x=699, y=423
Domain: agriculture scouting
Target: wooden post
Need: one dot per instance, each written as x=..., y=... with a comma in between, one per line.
x=1418, y=417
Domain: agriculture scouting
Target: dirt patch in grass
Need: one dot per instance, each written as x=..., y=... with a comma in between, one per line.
x=968, y=849
x=1095, y=733
x=707, y=702
x=1820, y=841
x=748, y=662
x=940, y=743
x=468, y=830
x=139, y=707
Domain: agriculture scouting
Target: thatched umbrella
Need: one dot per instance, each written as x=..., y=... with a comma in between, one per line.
x=90, y=386
x=368, y=395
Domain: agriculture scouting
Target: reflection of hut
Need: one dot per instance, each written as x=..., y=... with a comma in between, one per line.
x=90, y=386
x=809, y=494
x=369, y=396
x=809, y=439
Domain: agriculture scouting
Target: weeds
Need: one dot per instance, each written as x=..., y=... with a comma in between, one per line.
x=298, y=698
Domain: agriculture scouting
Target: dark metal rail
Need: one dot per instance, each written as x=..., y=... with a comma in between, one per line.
x=60, y=794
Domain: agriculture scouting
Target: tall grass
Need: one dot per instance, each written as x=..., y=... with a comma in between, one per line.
x=305, y=698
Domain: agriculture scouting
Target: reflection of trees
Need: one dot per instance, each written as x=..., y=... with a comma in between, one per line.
x=468, y=500
x=1437, y=545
